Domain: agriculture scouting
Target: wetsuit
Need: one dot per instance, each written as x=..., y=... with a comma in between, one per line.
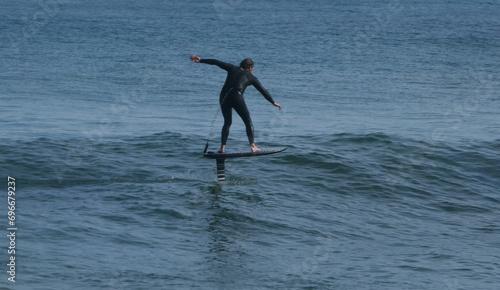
x=231, y=96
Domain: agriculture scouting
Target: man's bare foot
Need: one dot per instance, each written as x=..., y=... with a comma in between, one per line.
x=222, y=148
x=254, y=148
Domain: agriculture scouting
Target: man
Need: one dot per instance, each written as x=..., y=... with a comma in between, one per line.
x=231, y=96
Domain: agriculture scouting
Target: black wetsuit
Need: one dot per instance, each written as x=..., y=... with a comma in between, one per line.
x=231, y=96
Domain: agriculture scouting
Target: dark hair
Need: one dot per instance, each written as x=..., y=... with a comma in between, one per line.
x=246, y=63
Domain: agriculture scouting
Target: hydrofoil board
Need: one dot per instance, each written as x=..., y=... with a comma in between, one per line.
x=267, y=151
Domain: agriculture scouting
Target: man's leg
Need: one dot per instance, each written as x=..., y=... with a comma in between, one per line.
x=242, y=110
x=227, y=113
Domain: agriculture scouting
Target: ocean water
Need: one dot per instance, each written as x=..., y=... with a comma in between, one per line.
x=391, y=116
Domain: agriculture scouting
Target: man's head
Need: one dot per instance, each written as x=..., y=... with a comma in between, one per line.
x=247, y=64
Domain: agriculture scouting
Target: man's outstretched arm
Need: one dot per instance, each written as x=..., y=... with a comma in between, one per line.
x=265, y=93
x=222, y=65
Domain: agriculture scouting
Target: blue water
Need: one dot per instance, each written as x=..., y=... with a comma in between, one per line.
x=391, y=116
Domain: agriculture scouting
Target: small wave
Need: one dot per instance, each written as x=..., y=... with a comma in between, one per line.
x=388, y=164
x=86, y=160
x=377, y=163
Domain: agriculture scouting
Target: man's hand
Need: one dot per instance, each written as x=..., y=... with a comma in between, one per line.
x=195, y=58
x=277, y=105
